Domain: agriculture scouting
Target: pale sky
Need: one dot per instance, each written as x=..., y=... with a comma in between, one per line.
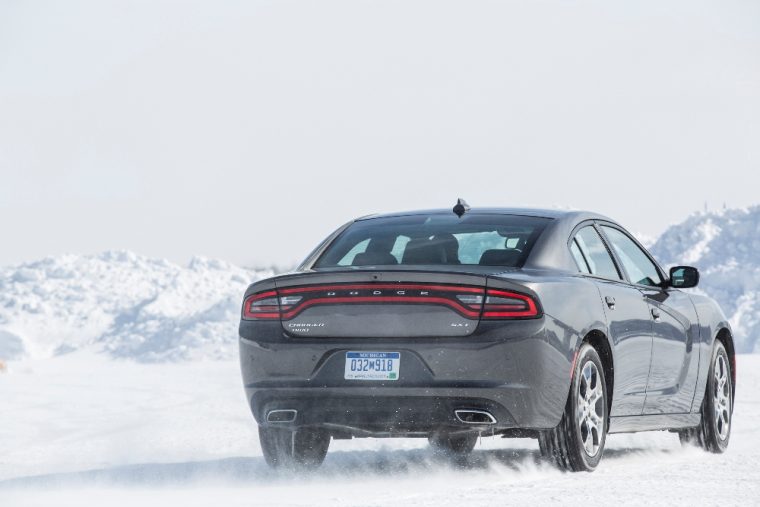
x=249, y=130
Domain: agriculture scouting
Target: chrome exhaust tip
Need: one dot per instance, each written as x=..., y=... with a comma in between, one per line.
x=474, y=417
x=282, y=416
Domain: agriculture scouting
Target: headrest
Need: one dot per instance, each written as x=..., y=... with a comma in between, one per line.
x=374, y=259
x=500, y=257
x=423, y=251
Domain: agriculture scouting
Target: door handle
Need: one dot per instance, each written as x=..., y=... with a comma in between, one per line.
x=656, y=314
x=610, y=302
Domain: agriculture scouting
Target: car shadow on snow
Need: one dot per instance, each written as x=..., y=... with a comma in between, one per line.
x=254, y=470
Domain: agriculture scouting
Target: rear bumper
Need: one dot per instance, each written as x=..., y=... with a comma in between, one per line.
x=386, y=414
x=522, y=381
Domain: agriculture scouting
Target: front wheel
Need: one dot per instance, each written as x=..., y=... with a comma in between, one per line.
x=714, y=428
x=300, y=448
x=577, y=443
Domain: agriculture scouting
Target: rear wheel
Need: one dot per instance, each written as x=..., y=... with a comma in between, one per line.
x=303, y=447
x=577, y=443
x=714, y=428
x=459, y=444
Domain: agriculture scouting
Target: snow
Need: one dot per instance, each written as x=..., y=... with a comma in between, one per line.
x=86, y=428
x=725, y=246
x=124, y=304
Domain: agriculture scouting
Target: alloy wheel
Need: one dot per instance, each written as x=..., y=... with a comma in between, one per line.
x=590, y=408
x=721, y=397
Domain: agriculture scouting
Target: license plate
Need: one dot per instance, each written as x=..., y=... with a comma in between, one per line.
x=372, y=365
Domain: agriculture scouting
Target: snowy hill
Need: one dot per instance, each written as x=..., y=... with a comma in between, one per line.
x=725, y=246
x=122, y=303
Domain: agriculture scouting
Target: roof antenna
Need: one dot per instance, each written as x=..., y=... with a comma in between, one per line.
x=461, y=207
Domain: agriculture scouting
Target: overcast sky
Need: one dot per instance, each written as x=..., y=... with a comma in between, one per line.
x=250, y=130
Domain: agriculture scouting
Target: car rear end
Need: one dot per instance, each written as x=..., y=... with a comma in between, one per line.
x=433, y=343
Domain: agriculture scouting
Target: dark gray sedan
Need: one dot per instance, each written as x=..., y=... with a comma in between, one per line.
x=450, y=324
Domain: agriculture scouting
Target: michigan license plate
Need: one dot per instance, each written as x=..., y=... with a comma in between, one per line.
x=372, y=365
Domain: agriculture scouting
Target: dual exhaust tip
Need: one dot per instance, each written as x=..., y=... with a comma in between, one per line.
x=474, y=417
x=282, y=416
x=464, y=416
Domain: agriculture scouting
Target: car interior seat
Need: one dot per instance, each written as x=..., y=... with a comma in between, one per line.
x=378, y=253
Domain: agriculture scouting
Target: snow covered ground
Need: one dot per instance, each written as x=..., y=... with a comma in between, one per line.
x=87, y=429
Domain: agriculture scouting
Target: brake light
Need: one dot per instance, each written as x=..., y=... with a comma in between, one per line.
x=263, y=305
x=500, y=304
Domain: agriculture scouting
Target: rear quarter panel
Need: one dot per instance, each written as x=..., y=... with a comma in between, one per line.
x=572, y=309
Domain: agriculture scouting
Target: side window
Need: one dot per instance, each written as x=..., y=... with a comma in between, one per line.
x=580, y=260
x=399, y=246
x=592, y=247
x=637, y=264
x=358, y=248
x=472, y=246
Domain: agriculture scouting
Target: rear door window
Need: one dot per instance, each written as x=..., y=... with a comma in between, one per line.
x=472, y=246
x=357, y=249
x=399, y=246
x=598, y=259
x=580, y=259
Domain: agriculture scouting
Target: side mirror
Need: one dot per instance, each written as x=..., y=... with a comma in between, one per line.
x=684, y=277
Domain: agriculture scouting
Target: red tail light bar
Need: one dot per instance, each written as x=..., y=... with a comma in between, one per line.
x=264, y=305
x=470, y=302
x=501, y=304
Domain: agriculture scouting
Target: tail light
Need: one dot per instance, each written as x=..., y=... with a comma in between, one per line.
x=263, y=305
x=500, y=304
x=268, y=305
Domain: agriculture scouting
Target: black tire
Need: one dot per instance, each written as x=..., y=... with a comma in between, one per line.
x=714, y=430
x=460, y=444
x=577, y=443
x=302, y=448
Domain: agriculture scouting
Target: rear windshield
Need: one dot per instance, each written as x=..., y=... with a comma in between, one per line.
x=486, y=240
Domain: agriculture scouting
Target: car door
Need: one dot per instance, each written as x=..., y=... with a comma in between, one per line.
x=628, y=320
x=675, y=329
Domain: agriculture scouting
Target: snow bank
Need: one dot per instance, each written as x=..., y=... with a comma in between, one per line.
x=126, y=304
x=725, y=246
